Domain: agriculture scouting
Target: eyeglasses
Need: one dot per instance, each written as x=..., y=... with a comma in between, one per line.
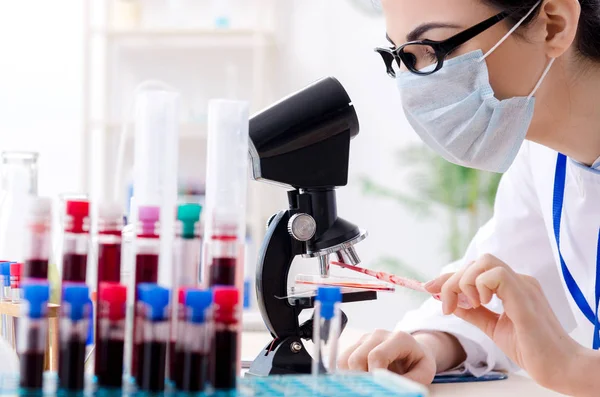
x=425, y=57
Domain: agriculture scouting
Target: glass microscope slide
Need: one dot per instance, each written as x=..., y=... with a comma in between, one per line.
x=355, y=283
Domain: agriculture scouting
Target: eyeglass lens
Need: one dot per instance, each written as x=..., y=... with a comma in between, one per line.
x=418, y=58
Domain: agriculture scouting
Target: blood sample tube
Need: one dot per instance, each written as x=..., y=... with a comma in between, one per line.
x=176, y=334
x=147, y=245
x=110, y=227
x=327, y=323
x=33, y=329
x=16, y=292
x=110, y=336
x=37, y=238
x=73, y=332
x=225, y=347
x=153, y=337
x=5, y=271
x=186, y=266
x=193, y=346
x=226, y=190
x=76, y=240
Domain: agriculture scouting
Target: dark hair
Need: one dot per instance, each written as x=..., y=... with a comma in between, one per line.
x=588, y=34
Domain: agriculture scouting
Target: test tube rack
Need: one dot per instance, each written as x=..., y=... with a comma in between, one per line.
x=11, y=311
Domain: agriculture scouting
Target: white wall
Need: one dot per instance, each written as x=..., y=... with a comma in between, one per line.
x=40, y=87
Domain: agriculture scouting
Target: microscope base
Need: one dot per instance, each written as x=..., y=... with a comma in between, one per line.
x=286, y=357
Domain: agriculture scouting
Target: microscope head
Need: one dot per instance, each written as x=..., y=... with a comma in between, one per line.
x=303, y=143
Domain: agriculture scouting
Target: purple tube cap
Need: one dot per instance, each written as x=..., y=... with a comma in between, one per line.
x=149, y=214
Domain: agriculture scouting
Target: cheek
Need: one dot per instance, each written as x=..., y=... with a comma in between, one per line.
x=515, y=68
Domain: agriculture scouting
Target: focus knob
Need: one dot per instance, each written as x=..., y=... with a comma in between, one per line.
x=302, y=227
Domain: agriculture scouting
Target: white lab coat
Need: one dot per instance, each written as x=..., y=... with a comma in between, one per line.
x=521, y=234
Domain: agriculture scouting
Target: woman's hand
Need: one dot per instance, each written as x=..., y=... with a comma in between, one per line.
x=417, y=357
x=528, y=331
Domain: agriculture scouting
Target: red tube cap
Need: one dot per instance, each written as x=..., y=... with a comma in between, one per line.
x=226, y=297
x=78, y=211
x=15, y=269
x=181, y=295
x=113, y=296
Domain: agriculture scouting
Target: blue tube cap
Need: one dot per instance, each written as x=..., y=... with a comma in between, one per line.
x=197, y=301
x=76, y=295
x=156, y=299
x=328, y=297
x=36, y=294
x=5, y=273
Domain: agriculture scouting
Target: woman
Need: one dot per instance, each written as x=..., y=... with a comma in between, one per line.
x=493, y=84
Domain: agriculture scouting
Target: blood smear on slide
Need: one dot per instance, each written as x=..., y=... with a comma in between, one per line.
x=343, y=283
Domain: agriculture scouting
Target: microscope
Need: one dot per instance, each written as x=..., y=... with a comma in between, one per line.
x=302, y=143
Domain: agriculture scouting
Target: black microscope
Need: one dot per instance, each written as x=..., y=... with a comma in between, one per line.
x=302, y=143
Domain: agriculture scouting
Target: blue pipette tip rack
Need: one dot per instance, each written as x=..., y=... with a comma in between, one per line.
x=76, y=295
x=377, y=384
x=156, y=298
x=36, y=294
x=197, y=301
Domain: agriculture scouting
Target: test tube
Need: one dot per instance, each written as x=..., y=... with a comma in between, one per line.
x=33, y=329
x=327, y=324
x=186, y=266
x=226, y=183
x=5, y=296
x=153, y=338
x=147, y=245
x=73, y=332
x=224, y=351
x=110, y=336
x=175, y=363
x=76, y=240
x=193, y=346
x=5, y=272
x=37, y=242
x=110, y=227
x=16, y=291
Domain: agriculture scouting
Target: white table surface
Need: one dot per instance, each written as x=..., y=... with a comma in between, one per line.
x=514, y=386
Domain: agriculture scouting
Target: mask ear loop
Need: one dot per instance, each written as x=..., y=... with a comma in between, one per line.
x=511, y=31
x=541, y=80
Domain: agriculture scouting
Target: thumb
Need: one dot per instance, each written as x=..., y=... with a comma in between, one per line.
x=483, y=318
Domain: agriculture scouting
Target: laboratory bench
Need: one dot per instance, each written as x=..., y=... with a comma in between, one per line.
x=515, y=385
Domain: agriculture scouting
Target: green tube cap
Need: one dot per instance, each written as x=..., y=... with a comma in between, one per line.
x=189, y=215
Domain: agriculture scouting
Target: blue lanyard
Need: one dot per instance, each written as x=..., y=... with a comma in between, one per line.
x=578, y=297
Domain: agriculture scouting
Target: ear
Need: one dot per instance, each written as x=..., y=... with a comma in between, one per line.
x=561, y=20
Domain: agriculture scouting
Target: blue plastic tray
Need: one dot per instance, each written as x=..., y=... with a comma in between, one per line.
x=377, y=384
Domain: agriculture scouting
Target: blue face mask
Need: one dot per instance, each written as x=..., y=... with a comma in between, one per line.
x=454, y=111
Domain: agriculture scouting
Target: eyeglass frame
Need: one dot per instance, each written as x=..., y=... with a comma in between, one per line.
x=441, y=48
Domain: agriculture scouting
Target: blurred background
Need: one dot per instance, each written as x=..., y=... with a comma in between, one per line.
x=70, y=67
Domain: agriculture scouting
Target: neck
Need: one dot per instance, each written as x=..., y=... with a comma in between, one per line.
x=571, y=124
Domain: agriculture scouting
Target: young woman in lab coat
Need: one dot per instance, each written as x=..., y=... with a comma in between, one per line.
x=506, y=85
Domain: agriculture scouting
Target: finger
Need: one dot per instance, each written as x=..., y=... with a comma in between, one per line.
x=435, y=286
x=358, y=360
x=483, y=318
x=450, y=291
x=342, y=362
x=423, y=372
x=398, y=346
x=509, y=288
x=467, y=282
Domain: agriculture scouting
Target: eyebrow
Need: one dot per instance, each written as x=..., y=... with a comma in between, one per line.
x=426, y=27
